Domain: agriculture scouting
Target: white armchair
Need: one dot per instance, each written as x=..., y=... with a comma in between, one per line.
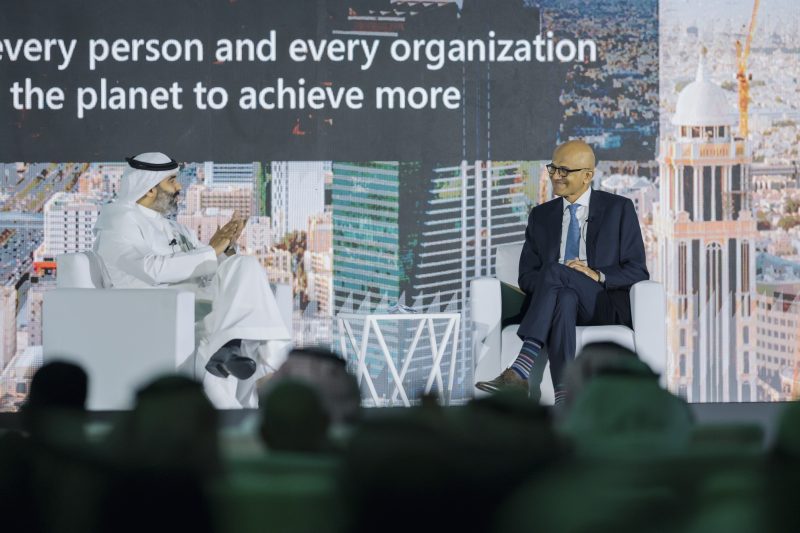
x=123, y=338
x=495, y=348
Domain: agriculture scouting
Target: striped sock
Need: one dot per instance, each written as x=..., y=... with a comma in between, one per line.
x=560, y=394
x=527, y=354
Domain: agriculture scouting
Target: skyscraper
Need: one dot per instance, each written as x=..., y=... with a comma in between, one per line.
x=227, y=174
x=469, y=210
x=367, y=267
x=298, y=192
x=706, y=248
x=68, y=222
x=366, y=232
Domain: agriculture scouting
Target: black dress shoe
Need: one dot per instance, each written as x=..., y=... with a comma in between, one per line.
x=240, y=367
x=229, y=361
x=217, y=369
x=216, y=365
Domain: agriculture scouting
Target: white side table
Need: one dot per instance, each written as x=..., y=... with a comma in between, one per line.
x=438, y=346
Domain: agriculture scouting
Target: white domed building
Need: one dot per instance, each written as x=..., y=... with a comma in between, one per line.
x=706, y=236
x=701, y=104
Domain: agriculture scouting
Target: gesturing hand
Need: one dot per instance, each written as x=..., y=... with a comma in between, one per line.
x=242, y=222
x=224, y=236
x=581, y=266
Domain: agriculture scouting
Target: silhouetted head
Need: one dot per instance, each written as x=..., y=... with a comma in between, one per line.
x=55, y=408
x=58, y=385
x=293, y=418
x=173, y=425
x=326, y=372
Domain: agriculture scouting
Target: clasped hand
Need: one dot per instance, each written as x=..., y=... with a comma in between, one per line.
x=581, y=266
x=227, y=234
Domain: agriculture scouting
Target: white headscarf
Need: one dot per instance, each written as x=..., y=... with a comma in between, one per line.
x=136, y=182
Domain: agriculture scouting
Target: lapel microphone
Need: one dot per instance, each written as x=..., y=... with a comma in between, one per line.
x=173, y=242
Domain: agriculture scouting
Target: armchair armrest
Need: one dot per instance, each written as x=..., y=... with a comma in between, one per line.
x=486, y=313
x=121, y=337
x=648, y=312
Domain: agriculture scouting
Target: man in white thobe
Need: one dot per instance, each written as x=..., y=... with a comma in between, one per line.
x=141, y=247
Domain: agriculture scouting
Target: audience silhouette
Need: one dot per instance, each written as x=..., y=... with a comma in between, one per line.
x=623, y=453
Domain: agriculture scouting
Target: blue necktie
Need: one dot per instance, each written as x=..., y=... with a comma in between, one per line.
x=573, y=246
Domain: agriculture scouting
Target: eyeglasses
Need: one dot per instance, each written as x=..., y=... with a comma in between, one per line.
x=562, y=171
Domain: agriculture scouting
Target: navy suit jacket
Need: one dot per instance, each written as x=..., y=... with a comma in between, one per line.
x=614, y=246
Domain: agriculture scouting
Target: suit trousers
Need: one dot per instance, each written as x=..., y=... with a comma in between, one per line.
x=564, y=298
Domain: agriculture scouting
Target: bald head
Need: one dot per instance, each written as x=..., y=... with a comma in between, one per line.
x=574, y=154
x=575, y=159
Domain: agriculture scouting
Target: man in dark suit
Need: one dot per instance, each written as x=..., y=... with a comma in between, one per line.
x=582, y=253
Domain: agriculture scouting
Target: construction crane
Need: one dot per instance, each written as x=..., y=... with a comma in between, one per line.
x=741, y=74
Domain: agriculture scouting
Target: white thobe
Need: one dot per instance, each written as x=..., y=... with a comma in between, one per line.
x=141, y=248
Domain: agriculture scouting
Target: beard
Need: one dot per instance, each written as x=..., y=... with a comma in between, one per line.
x=166, y=203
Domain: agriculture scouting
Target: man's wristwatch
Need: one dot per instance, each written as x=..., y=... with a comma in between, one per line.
x=233, y=248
